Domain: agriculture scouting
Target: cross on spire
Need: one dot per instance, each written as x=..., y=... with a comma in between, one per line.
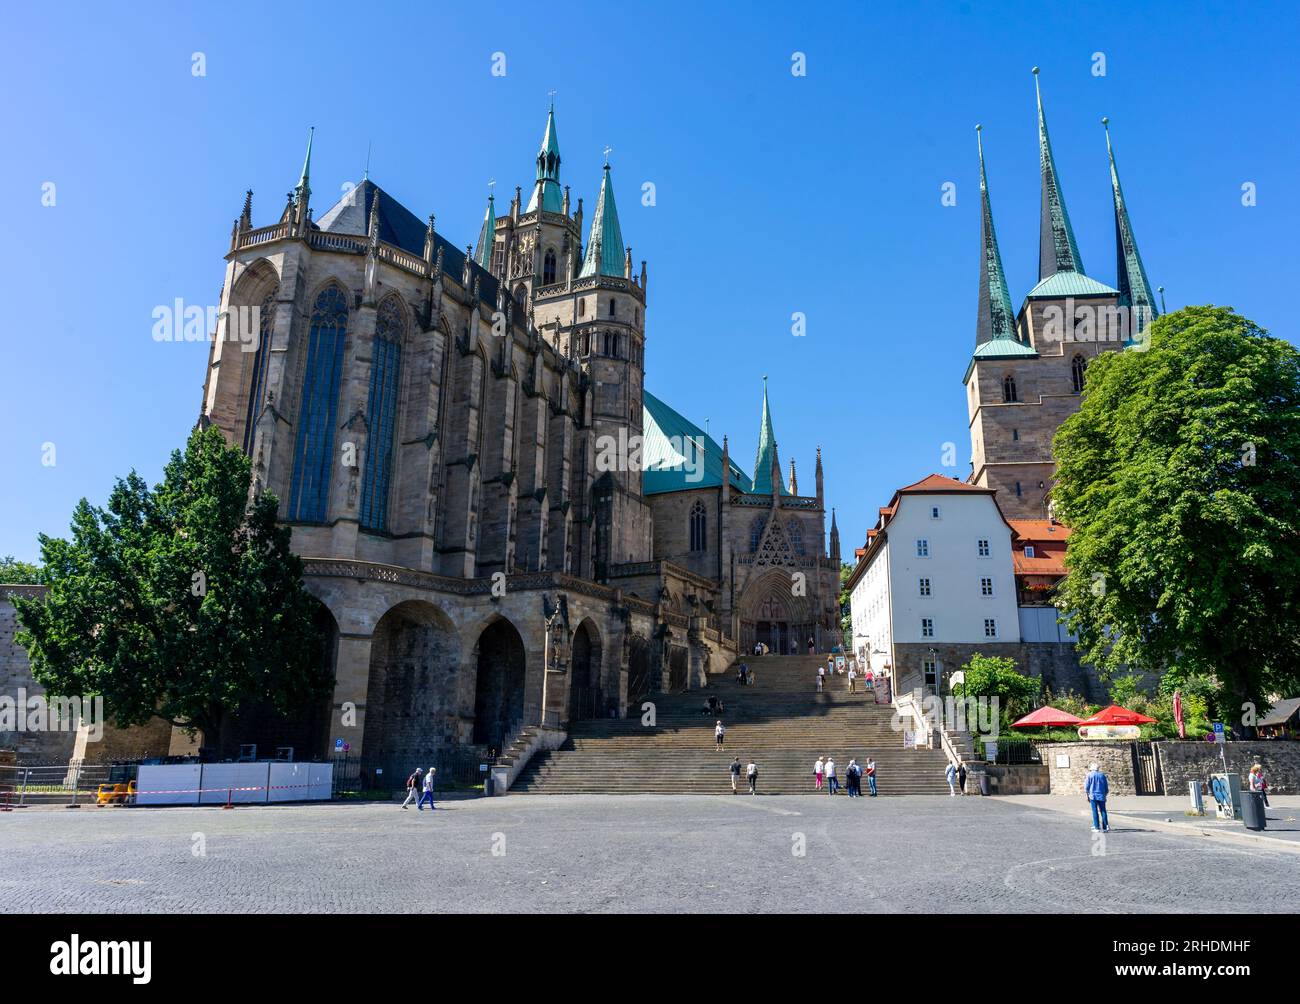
x=608, y=151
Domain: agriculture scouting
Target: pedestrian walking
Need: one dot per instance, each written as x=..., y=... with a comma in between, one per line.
x=735, y=773
x=871, y=776
x=719, y=731
x=950, y=775
x=412, y=787
x=853, y=675
x=821, y=678
x=1096, y=788
x=853, y=779
x=751, y=772
x=818, y=769
x=832, y=783
x=428, y=790
x=812, y=649
x=1258, y=783
x=961, y=777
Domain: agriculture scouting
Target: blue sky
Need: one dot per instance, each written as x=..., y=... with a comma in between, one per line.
x=775, y=193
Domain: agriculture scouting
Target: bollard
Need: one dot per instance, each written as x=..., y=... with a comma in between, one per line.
x=1198, y=804
x=76, y=786
x=230, y=798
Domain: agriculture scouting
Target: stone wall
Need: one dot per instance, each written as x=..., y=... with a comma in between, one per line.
x=16, y=680
x=1015, y=779
x=1114, y=759
x=1186, y=761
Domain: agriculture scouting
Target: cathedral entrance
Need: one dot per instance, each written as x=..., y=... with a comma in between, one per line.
x=771, y=628
x=585, y=692
x=499, y=685
x=638, y=670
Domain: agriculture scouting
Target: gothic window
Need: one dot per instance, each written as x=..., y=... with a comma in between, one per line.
x=1009, y=389
x=795, y=532
x=381, y=413
x=755, y=532
x=582, y=307
x=1077, y=366
x=313, y=452
x=519, y=294
x=605, y=343
x=698, y=540
x=548, y=267
x=613, y=308
x=261, y=359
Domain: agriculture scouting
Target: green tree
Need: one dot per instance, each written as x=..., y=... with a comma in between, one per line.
x=15, y=572
x=997, y=676
x=182, y=602
x=1178, y=478
x=846, y=608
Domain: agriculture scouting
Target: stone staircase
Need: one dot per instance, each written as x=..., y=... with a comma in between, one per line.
x=781, y=722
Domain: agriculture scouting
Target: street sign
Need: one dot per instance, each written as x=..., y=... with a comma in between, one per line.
x=347, y=747
x=1218, y=732
x=338, y=745
x=482, y=768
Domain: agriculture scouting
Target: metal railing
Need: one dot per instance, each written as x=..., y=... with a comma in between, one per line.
x=71, y=784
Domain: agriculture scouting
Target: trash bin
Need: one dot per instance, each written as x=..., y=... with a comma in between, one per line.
x=1252, y=810
x=489, y=785
x=984, y=785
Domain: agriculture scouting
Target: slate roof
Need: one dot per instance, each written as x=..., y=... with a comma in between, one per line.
x=660, y=425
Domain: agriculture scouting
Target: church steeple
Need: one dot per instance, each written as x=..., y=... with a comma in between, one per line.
x=995, y=319
x=302, y=193
x=1134, y=287
x=487, y=236
x=605, y=252
x=547, y=194
x=1057, y=249
x=764, y=482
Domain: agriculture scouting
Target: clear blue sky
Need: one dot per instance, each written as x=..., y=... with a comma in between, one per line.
x=775, y=194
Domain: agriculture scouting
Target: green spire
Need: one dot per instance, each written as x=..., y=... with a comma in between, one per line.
x=605, y=245
x=487, y=236
x=547, y=187
x=995, y=320
x=1057, y=249
x=304, y=185
x=766, y=448
x=1131, y=275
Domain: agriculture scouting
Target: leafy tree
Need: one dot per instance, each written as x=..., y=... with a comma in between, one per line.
x=15, y=572
x=997, y=676
x=1178, y=480
x=182, y=602
x=846, y=608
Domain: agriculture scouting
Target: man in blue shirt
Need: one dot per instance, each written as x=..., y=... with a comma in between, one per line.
x=1096, y=788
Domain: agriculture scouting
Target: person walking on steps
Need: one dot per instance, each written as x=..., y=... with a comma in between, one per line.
x=853, y=675
x=719, y=731
x=812, y=648
x=818, y=769
x=871, y=776
x=735, y=773
x=751, y=772
x=950, y=775
x=428, y=790
x=831, y=782
x=1097, y=788
x=413, y=787
x=821, y=678
x=961, y=777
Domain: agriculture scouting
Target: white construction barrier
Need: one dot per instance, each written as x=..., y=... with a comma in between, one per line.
x=290, y=782
x=322, y=782
x=170, y=784
x=239, y=783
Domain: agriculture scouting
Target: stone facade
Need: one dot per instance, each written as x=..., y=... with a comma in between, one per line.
x=16, y=678
x=1057, y=665
x=1180, y=763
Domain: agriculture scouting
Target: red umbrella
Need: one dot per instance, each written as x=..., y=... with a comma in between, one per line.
x=1115, y=715
x=1178, y=714
x=1046, y=715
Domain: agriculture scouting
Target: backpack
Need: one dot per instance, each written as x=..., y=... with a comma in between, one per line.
x=414, y=780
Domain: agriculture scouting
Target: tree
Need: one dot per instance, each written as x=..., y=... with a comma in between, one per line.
x=1177, y=478
x=846, y=608
x=997, y=676
x=15, y=572
x=182, y=602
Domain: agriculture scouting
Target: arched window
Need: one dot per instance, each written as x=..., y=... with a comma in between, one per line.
x=313, y=451
x=381, y=413
x=698, y=540
x=261, y=359
x=548, y=267
x=755, y=532
x=519, y=294
x=1009, y=389
x=1077, y=366
x=795, y=531
x=613, y=308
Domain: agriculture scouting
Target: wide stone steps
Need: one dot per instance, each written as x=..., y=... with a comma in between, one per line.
x=781, y=722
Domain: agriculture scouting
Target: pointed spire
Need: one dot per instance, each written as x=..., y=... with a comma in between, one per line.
x=1057, y=249
x=995, y=319
x=764, y=482
x=794, y=481
x=374, y=224
x=304, y=183
x=1134, y=287
x=246, y=215
x=606, y=241
x=487, y=235
x=546, y=190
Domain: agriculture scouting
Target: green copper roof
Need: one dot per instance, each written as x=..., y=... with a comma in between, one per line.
x=667, y=464
x=487, y=236
x=606, y=238
x=304, y=183
x=548, y=171
x=1070, y=284
x=762, y=484
x=1131, y=275
x=1057, y=249
x=995, y=319
x=1004, y=348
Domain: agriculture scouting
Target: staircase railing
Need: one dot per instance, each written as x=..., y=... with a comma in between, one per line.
x=910, y=711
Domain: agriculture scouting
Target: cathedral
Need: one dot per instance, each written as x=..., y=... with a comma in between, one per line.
x=1027, y=372
x=503, y=526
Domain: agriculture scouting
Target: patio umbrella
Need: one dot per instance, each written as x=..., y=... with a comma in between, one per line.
x=1046, y=715
x=1115, y=715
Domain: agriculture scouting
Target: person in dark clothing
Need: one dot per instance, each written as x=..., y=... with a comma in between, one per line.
x=961, y=777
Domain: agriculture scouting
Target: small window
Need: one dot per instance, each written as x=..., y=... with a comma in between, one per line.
x=1009, y=389
x=934, y=512
x=1018, y=492
x=548, y=267
x=613, y=308
x=931, y=669
x=990, y=627
x=582, y=307
x=927, y=627
x=924, y=587
x=1029, y=550
x=986, y=587
x=1077, y=366
x=698, y=540
x=984, y=548
x=923, y=548
x=1015, y=435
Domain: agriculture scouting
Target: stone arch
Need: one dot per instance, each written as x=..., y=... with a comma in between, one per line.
x=772, y=612
x=639, y=671
x=412, y=701
x=586, y=679
x=243, y=383
x=500, y=671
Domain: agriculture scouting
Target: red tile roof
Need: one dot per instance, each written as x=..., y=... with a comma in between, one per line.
x=1048, y=540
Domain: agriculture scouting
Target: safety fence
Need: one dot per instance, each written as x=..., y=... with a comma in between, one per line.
x=54, y=784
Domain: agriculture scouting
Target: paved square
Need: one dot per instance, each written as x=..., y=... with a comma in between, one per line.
x=627, y=853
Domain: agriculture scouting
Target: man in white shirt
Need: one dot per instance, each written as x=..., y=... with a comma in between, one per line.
x=718, y=732
x=752, y=773
x=831, y=782
x=853, y=675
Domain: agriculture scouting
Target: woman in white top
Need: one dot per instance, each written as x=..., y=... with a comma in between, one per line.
x=818, y=768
